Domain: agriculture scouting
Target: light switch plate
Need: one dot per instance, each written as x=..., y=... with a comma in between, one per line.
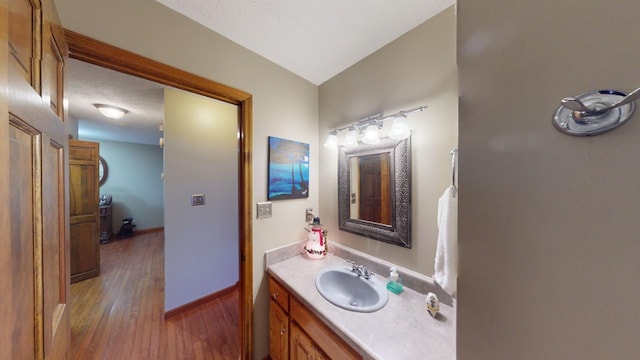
x=264, y=209
x=197, y=199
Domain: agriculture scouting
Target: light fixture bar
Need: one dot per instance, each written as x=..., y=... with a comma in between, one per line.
x=378, y=118
x=372, y=124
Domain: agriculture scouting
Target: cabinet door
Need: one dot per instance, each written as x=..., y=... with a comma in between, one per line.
x=278, y=332
x=84, y=207
x=302, y=348
x=324, y=338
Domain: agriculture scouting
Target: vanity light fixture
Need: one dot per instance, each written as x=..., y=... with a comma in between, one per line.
x=400, y=128
x=110, y=111
x=371, y=126
x=351, y=138
x=332, y=140
x=371, y=135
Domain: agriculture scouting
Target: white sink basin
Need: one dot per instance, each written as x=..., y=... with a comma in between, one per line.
x=344, y=288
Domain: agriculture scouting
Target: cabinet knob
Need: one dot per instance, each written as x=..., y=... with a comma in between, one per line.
x=274, y=295
x=282, y=331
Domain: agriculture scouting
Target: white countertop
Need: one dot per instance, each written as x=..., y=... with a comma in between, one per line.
x=403, y=329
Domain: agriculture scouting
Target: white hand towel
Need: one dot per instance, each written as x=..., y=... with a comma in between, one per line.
x=446, y=265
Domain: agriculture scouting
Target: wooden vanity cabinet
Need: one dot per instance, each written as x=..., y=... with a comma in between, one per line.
x=292, y=328
x=278, y=321
x=302, y=347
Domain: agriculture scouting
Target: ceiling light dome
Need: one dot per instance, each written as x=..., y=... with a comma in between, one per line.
x=110, y=111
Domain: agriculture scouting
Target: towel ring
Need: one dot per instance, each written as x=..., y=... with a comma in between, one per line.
x=454, y=155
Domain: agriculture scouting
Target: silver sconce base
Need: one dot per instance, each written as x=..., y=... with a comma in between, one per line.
x=593, y=113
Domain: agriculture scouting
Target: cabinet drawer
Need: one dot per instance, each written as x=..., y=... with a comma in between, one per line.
x=279, y=294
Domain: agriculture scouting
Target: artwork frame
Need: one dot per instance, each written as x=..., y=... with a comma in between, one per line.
x=288, y=169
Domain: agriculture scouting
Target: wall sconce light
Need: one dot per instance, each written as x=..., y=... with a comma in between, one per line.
x=371, y=126
x=112, y=112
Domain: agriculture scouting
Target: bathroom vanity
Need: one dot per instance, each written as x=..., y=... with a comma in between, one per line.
x=296, y=333
x=304, y=325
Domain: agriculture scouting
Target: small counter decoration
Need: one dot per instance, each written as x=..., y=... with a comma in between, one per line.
x=316, y=247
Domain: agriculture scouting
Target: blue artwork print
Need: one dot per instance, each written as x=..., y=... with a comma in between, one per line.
x=288, y=169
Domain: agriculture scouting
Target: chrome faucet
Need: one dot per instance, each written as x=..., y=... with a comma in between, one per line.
x=360, y=270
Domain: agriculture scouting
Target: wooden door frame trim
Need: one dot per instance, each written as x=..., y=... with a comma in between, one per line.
x=98, y=53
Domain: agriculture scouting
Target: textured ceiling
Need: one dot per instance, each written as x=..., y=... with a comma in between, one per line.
x=87, y=84
x=316, y=39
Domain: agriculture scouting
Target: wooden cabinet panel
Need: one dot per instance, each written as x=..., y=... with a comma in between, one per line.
x=298, y=334
x=33, y=219
x=302, y=347
x=24, y=36
x=325, y=338
x=85, y=251
x=52, y=78
x=83, y=179
x=23, y=282
x=279, y=294
x=53, y=53
x=84, y=209
x=83, y=152
x=55, y=264
x=278, y=332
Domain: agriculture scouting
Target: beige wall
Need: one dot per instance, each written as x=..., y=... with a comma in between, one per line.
x=419, y=68
x=284, y=105
x=548, y=223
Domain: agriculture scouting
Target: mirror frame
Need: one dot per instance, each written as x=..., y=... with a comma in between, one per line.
x=102, y=165
x=399, y=232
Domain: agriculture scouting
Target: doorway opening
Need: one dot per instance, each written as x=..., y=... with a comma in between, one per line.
x=102, y=54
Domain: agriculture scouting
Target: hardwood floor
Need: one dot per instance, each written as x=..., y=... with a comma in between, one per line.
x=120, y=314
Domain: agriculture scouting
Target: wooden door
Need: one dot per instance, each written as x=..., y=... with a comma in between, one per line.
x=84, y=217
x=34, y=259
x=375, y=200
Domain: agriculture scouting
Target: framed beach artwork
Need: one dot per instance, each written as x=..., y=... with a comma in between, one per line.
x=288, y=169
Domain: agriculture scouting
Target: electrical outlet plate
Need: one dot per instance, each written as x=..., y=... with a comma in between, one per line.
x=197, y=199
x=263, y=209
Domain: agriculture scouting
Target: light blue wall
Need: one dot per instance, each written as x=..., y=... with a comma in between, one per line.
x=134, y=182
x=72, y=125
x=201, y=157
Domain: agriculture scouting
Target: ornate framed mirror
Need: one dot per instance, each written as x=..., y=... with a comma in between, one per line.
x=374, y=191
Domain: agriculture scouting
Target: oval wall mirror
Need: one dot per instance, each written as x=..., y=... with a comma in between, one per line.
x=103, y=171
